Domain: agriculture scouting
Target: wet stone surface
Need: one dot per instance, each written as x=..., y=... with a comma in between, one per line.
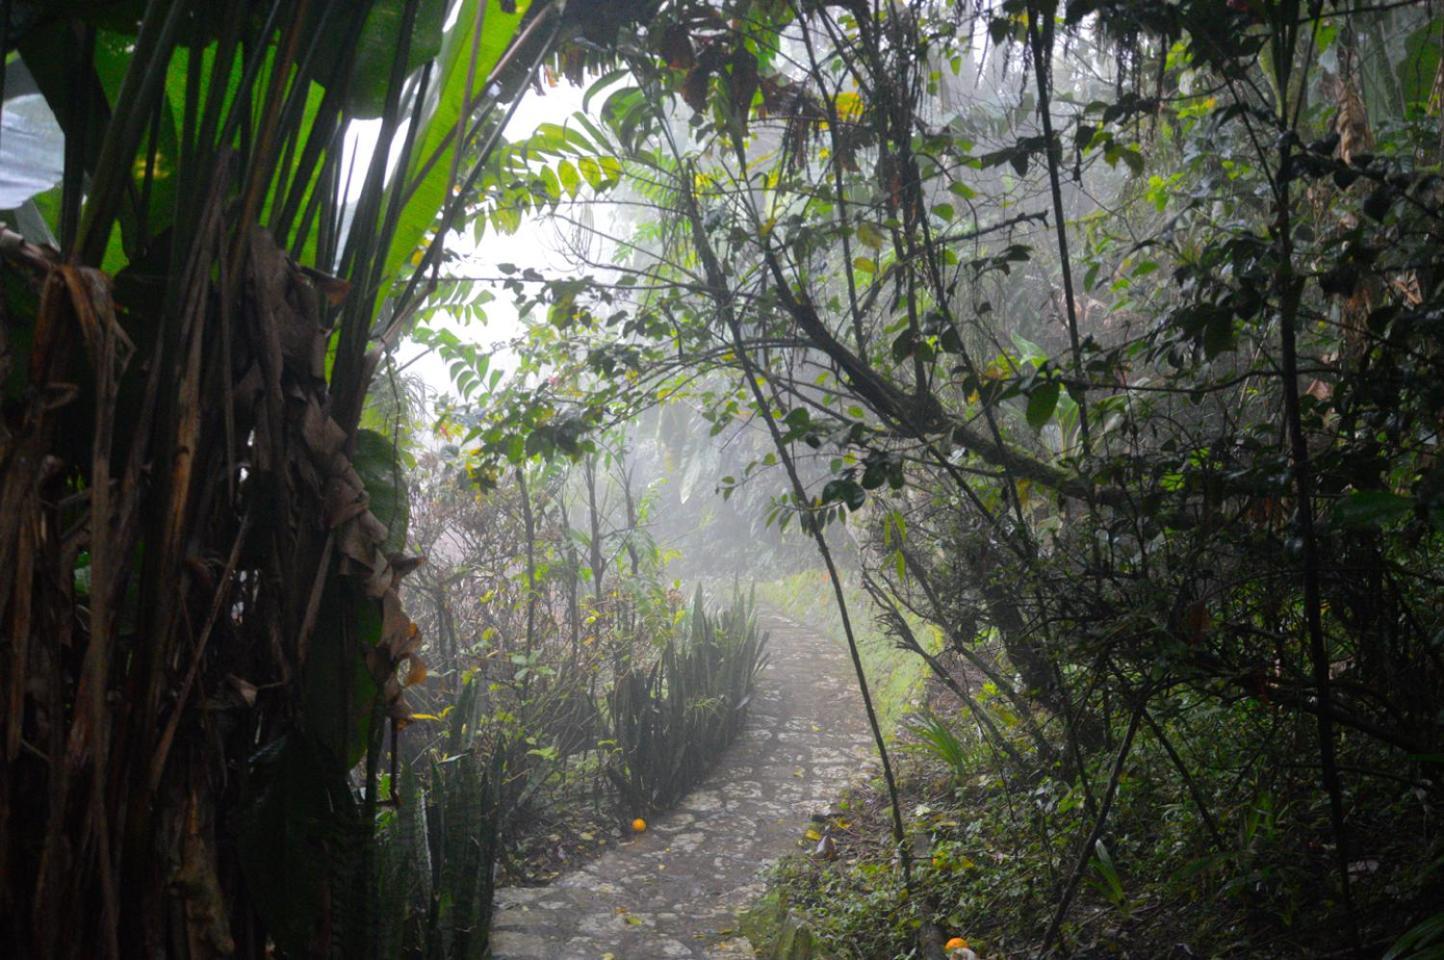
x=675, y=890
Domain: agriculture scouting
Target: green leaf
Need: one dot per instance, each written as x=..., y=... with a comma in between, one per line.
x=430, y=173
x=1218, y=334
x=376, y=462
x=868, y=235
x=50, y=55
x=1029, y=351
x=798, y=418
x=551, y=184
x=611, y=170
x=376, y=50
x=591, y=172
x=1424, y=941
x=571, y=181
x=1420, y=63
x=339, y=690
x=297, y=828
x=1371, y=508
x=904, y=346
x=845, y=490
x=1041, y=403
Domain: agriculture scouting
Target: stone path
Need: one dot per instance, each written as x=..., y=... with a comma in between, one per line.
x=675, y=890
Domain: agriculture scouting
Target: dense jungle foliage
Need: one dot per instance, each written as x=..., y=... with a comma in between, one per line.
x=1087, y=353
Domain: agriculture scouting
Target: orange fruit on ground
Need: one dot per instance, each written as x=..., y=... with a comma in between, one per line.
x=639, y=825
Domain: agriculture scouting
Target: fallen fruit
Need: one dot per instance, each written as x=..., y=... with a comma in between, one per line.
x=958, y=949
x=639, y=825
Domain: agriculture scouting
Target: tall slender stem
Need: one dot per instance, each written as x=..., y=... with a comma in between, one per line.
x=1042, y=46
x=1290, y=288
x=716, y=280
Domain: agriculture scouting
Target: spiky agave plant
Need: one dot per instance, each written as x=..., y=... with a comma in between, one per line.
x=437, y=849
x=671, y=720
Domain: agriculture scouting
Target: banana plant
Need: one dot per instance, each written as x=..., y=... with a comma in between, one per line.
x=203, y=640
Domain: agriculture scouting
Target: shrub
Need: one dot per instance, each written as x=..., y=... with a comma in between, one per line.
x=671, y=719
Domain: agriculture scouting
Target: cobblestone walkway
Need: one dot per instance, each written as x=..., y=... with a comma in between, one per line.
x=675, y=890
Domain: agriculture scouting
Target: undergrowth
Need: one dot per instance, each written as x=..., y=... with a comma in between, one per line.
x=511, y=781
x=1229, y=868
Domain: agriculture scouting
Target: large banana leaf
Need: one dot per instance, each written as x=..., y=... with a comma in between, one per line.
x=467, y=58
x=212, y=619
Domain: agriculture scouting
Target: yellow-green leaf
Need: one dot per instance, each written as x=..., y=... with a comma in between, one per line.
x=570, y=179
